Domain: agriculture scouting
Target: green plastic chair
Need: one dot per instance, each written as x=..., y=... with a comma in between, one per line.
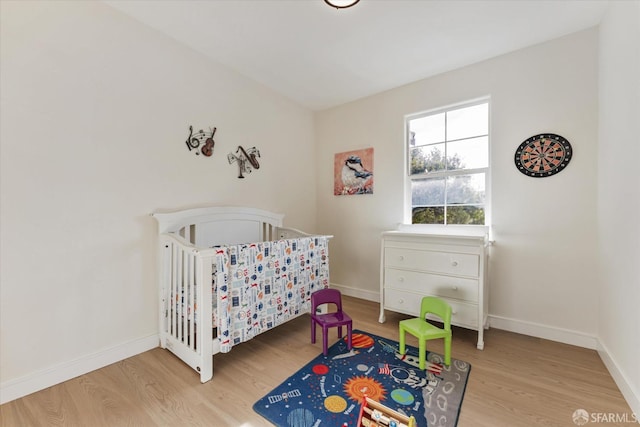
x=423, y=330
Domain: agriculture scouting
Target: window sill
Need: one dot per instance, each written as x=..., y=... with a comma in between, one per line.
x=445, y=230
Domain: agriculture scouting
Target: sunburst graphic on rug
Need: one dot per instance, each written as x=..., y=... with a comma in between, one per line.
x=357, y=387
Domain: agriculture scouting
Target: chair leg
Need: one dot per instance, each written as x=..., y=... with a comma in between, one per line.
x=447, y=350
x=349, y=343
x=423, y=353
x=325, y=332
x=339, y=331
x=313, y=331
x=401, y=350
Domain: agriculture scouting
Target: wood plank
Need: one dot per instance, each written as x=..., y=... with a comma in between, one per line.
x=515, y=381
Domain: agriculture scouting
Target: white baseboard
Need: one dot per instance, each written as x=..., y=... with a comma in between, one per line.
x=19, y=387
x=551, y=333
x=357, y=292
x=627, y=389
x=547, y=332
x=538, y=330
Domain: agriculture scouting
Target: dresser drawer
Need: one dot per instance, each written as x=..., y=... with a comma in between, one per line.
x=432, y=284
x=462, y=314
x=437, y=262
x=402, y=301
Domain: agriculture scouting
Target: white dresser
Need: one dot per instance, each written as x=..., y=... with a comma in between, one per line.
x=452, y=267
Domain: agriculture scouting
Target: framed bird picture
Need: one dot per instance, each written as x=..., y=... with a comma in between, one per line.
x=353, y=172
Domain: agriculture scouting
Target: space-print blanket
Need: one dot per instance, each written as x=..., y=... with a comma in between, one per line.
x=261, y=285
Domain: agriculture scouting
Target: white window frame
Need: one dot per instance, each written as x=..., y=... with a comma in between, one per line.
x=453, y=228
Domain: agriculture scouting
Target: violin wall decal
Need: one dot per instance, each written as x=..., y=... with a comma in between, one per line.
x=246, y=159
x=207, y=150
x=194, y=140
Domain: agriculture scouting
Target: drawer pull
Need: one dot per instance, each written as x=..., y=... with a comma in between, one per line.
x=401, y=279
x=400, y=301
x=455, y=288
x=454, y=263
x=401, y=257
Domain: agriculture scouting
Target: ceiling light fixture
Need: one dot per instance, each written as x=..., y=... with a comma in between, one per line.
x=341, y=4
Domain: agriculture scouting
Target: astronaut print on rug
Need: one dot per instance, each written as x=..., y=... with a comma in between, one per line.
x=353, y=172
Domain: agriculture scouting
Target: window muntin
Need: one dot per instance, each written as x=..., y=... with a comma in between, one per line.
x=448, y=165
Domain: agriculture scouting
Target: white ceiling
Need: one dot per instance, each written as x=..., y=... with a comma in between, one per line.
x=321, y=57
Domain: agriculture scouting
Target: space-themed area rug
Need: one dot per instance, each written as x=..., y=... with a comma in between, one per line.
x=328, y=391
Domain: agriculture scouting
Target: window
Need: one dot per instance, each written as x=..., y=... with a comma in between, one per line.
x=448, y=165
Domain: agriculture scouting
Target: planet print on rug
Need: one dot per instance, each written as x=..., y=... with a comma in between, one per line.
x=328, y=391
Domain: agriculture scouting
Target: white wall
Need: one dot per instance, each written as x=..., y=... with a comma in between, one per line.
x=619, y=197
x=95, y=111
x=542, y=271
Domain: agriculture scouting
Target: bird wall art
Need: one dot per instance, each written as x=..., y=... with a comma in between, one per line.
x=353, y=172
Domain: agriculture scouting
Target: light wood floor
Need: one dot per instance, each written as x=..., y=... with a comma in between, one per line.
x=515, y=381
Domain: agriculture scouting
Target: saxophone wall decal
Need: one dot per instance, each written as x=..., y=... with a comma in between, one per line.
x=247, y=160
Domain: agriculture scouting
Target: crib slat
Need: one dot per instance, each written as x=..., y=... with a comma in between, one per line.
x=178, y=297
x=165, y=279
x=204, y=271
x=183, y=289
x=175, y=292
x=189, y=302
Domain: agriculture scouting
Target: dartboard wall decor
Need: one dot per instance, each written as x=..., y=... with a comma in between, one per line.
x=543, y=155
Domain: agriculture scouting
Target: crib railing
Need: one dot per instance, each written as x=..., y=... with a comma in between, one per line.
x=185, y=302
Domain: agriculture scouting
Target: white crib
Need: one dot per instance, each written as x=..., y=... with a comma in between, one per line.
x=228, y=274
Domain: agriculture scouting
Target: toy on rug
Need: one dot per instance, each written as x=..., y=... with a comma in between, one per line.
x=375, y=414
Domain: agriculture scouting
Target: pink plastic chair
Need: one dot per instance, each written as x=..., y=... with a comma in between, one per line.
x=337, y=318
